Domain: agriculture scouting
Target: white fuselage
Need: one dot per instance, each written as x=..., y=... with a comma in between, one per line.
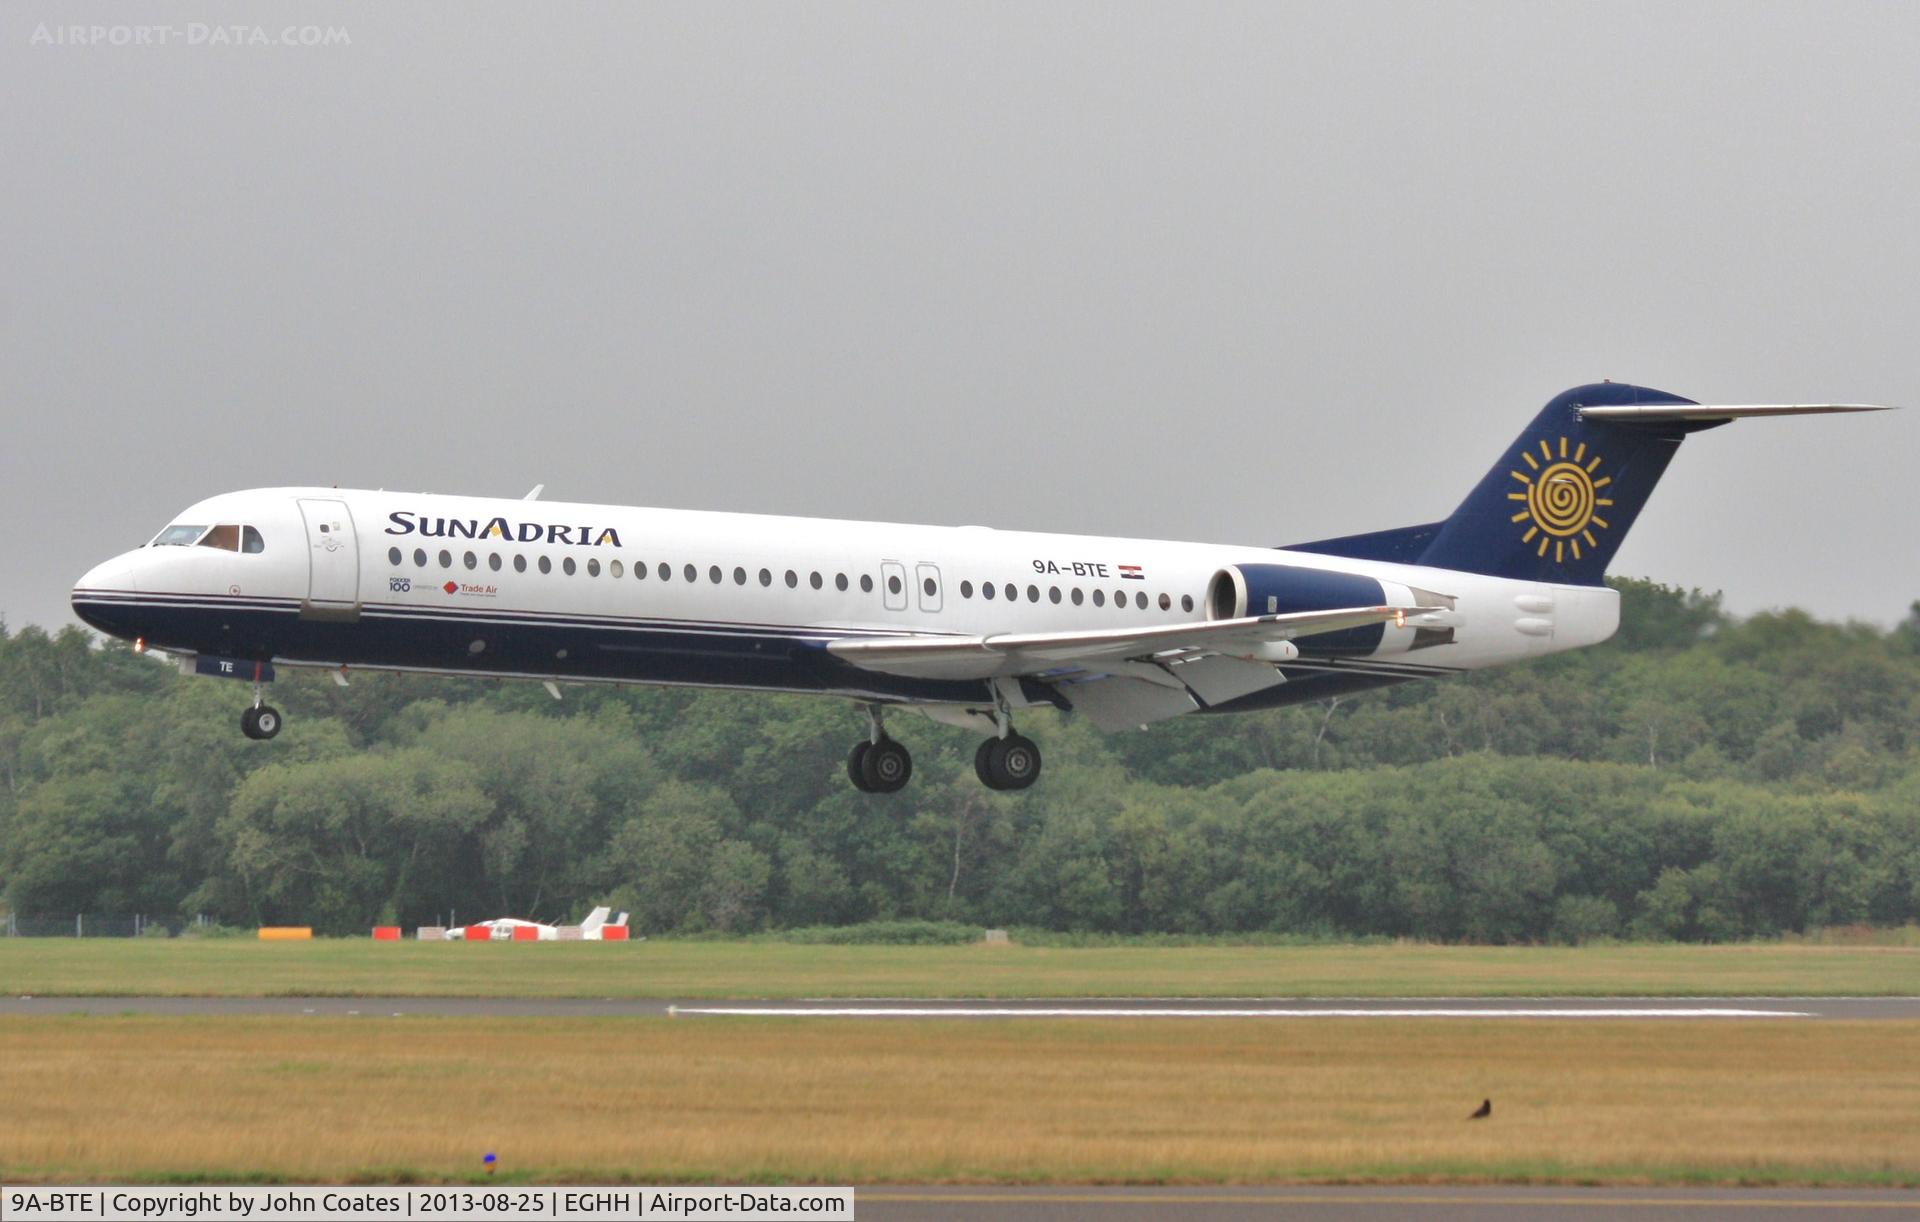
x=551, y=590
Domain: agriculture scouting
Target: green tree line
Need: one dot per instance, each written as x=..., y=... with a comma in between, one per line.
x=1699, y=777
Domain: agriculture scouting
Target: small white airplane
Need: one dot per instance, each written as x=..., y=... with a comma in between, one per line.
x=500, y=929
x=965, y=624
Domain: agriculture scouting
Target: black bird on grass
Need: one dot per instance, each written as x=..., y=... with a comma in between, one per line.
x=1485, y=1110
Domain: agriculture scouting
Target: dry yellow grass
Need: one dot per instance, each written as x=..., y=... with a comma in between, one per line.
x=833, y=1101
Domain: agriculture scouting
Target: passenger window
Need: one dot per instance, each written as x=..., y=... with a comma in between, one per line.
x=593, y=568
x=666, y=571
x=840, y=582
x=446, y=558
x=519, y=563
x=1033, y=594
x=420, y=557
x=814, y=581
x=1166, y=604
x=1099, y=598
x=866, y=584
x=1053, y=594
x=251, y=542
x=793, y=579
x=986, y=590
x=1140, y=599
x=966, y=589
x=1120, y=599
x=713, y=574
x=1186, y=602
x=546, y=565
x=616, y=569
x=473, y=561
x=493, y=561
x=393, y=556
x=739, y=576
x=766, y=578
x=690, y=573
x=226, y=538
x=1078, y=597
x=893, y=585
x=566, y=565
x=1012, y=592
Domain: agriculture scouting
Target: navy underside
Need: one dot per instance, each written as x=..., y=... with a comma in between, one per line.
x=745, y=656
x=607, y=649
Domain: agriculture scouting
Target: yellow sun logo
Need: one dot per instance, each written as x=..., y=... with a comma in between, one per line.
x=1563, y=499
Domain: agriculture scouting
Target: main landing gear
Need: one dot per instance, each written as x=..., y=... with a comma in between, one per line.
x=1012, y=762
x=881, y=765
x=260, y=721
x=878, y=765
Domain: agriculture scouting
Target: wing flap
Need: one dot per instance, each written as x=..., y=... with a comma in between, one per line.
x=1115, y=703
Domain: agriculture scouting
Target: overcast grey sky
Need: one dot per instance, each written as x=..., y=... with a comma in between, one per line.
x=1257, y=273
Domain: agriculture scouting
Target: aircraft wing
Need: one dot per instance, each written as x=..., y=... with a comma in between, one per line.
x=1122, y=677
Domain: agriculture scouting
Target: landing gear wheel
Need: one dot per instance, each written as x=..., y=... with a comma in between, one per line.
x=854, y=759
x=982, y=768
x=1012, y=762
x=886, y=767
x=260, y=721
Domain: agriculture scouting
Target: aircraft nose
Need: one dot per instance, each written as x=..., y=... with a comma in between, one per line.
x=99, y=597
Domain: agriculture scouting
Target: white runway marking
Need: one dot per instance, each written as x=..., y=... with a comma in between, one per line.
x=1100, y=1012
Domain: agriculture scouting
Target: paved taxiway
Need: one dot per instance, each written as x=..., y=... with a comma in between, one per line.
x=1220, y=1008
x=1322, y=1204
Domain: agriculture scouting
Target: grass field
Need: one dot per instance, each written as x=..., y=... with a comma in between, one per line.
x=801, y=1100
x=226, y=967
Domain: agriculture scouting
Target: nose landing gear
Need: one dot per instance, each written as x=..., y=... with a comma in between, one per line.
x=260, y=721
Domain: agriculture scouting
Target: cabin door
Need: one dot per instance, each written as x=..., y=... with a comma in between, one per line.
x=333, y=561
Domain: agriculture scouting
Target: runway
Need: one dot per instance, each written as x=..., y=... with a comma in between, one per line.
x=988, y=1009
x=1316, y=1203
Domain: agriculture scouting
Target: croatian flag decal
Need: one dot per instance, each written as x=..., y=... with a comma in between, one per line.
x=1132, y=572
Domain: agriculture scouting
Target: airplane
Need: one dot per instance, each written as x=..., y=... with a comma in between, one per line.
x=501, y=928
x=967, y=625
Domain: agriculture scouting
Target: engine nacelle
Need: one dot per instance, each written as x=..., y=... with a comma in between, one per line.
x=1242, y=590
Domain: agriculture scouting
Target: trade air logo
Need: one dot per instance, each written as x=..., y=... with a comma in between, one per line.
x=404, y=523
x=1563, y=499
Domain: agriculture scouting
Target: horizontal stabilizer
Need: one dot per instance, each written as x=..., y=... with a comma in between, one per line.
x=1655, y=413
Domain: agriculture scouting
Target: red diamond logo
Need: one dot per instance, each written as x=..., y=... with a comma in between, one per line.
x=451, y=587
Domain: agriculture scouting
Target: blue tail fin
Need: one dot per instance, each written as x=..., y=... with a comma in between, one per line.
x=1558, y=503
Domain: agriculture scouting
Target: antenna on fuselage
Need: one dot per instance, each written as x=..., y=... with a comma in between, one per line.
x=535, y=494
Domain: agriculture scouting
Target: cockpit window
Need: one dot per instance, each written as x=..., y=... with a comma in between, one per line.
x=226, y=538
x=251, y=542
x=179, y=536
